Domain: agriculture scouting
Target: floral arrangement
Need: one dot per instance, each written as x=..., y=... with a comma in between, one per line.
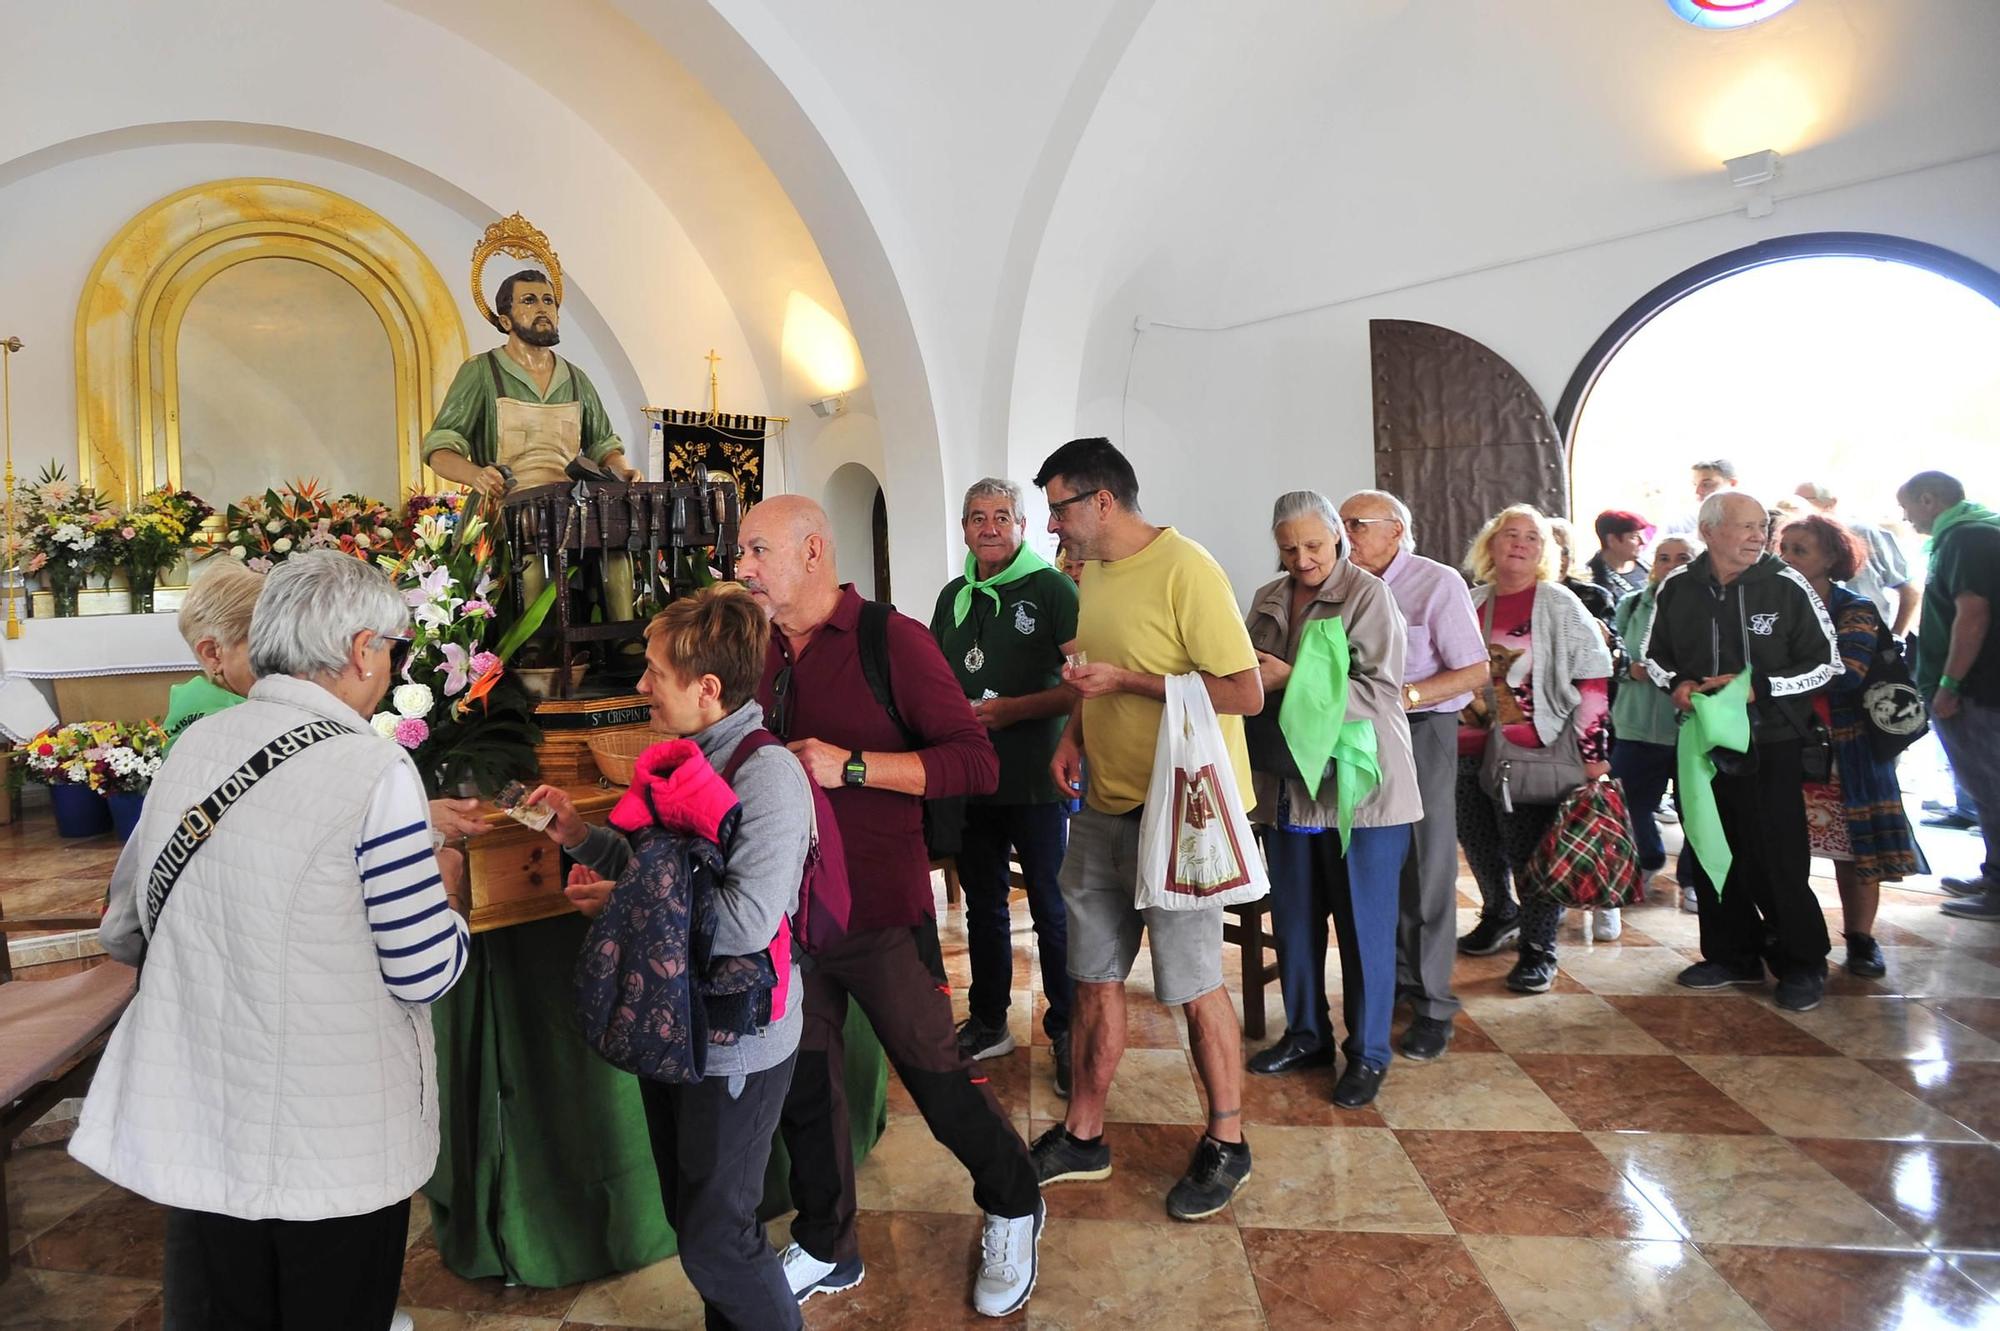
x=63, y=528
x=108, y=757
x=183, y=506
x=151, y=540
x=458, y=712
x=263, y=529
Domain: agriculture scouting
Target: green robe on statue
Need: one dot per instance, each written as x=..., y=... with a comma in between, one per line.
x=545, y=1173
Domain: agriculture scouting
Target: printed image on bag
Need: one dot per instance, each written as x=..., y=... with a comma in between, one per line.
x=1207, y=857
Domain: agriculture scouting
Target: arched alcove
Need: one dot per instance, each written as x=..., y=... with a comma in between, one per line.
x=851, y=496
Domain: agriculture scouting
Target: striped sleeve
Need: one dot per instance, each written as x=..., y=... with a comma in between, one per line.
x=420, y=941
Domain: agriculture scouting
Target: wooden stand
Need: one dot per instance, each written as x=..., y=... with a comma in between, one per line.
x=516, y=873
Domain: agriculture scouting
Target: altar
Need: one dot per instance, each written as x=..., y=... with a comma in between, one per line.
x=92, y=668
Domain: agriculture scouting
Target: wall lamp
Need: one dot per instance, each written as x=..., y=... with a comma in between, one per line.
x=1755, y=172
x=828, y=407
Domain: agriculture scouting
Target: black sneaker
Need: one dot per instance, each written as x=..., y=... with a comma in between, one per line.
x=1062, y=1065
x=1864, y=957
x=1213, y=1176
x=978, y=1040
x=1719, y=975
x=1358, y=1084
x=1061, y=1158
x=1801, y=991
x=1489, y=936
x=1426, y=1039
x=1534, y=973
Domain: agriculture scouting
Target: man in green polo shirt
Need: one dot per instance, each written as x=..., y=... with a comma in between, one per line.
x=1006, y=627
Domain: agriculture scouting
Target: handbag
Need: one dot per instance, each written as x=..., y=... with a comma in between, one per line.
x=1269, y=753
x=1195, y=845
x=1516, y=774
x=1587, y=858
x=1891, y=707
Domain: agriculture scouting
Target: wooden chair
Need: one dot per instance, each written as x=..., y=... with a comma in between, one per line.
x=52, y=1032
x=1244, y=926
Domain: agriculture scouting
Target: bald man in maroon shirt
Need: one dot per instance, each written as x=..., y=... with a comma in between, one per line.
x=817, y=699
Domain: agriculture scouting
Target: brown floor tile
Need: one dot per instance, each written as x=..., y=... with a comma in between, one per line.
x=1716, y=1024
x=117, y=1234
x=1303, y=1098
x=1343, y=1178
x=1926, y=972
x=1466, y=1035
x=80, y=892
x=434, y=1319
x=1941, y=1192
x=1475, y=977
x=428, y=1284
x=1467, y=1092
x=1619, y=1093
x=36, y=1300
x=1560, y=1024
x=1548, y=1183
x=1969, y=1092
x=1547, y=1284
x=1981, y=1014
x=920, y=1268
x=1813, y=1289
x=1369, y=1282
x=1826, y=1097
x=1609, y=968
x=1151, y=1086
x=45, y=1184
x=1147, y=1159
x=1102, y=1275
x=1893, y=1028
x=152, y=1316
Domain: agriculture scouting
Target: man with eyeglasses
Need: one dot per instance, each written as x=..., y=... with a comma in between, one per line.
x=1446, y=659
x=1159, y=605
x=818, y=699
x=1005, y=628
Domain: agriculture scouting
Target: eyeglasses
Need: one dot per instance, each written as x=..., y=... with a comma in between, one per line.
x=1359, y=525
x=399, y=647
x=1058, y=505
x=781, y=703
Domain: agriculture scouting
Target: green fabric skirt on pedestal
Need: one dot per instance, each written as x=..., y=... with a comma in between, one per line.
x=545, y=1174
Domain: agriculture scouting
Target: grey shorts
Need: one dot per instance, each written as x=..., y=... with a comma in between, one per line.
x=1098, y=875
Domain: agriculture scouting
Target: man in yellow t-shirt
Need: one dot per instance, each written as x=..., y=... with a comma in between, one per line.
x=1155, y=604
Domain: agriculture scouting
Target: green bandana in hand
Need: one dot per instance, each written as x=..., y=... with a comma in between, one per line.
x=1720, y=720
x=1313, y=720
x=1024, y=562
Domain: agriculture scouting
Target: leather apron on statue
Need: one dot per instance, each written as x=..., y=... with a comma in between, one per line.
x=537, y=442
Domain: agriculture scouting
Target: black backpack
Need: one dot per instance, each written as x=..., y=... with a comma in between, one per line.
x=944, y=817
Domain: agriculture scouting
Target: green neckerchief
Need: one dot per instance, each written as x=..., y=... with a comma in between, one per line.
x=1720, y=720
x=1963, y=511
x=1024, y=562
x=1313, y=720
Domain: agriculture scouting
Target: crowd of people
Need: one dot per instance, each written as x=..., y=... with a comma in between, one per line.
x=274, y=1081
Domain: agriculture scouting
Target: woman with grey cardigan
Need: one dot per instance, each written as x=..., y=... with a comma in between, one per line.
x=1316, y=868
x=1550, y=669
x=712, y=1138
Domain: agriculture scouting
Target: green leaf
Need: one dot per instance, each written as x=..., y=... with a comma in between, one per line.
x=530, y=620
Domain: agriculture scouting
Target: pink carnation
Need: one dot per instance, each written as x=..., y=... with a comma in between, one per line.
x=483, y=662
x=411, y=732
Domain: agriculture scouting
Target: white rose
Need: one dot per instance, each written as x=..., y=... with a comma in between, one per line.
x=274, y=525
x=384, y=723
x=282, y=544
x=239, y=552
x=361, y=541
x=413, y=699
x=381, y=533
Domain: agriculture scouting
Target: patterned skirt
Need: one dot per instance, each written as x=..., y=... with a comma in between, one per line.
x=1858, y=815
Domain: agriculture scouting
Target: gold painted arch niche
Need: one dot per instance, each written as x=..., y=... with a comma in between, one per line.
x=130, y=315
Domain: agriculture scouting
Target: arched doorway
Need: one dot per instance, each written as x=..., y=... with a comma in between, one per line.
x=855, y=508
x=1846, y=359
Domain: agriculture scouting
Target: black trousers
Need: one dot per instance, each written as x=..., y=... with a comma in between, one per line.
x=711, y=1147
x=1767, y=908
x=1040, y=833
x=897, y=976
x=226, y=1274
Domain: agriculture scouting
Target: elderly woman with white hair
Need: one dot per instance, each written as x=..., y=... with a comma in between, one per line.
x=1330, y=634
x=273, y=1084
x=215, y=621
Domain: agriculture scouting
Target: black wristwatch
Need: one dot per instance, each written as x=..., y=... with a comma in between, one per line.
x=855, y=773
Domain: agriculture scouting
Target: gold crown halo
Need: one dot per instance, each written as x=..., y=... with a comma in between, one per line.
x=517, y=236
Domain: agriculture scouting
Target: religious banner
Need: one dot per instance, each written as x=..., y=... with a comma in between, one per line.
x=727, y=444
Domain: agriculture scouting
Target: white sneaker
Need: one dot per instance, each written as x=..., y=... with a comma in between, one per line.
x=1008, y=1254
x=1690, y=902
x=1606, y=925
x=808, y=1275
x=402, y=1322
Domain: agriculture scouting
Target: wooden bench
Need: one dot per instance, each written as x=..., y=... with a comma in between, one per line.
x=52, y=1032
x=1244, y=926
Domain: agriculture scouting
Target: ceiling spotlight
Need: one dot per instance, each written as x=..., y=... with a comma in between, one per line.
x=1758, y=168
x=828, y=407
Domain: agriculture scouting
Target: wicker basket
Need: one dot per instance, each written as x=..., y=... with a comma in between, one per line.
x=615, y=753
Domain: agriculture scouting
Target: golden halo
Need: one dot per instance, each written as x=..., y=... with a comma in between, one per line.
x=515, y=235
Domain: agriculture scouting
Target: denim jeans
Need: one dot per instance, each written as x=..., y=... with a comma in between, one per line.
x=1971, y=741
x=1038, y=833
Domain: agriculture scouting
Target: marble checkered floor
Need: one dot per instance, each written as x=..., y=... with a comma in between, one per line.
x=1616, y=1153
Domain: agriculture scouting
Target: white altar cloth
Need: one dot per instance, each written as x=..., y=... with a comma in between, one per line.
x=50, y=649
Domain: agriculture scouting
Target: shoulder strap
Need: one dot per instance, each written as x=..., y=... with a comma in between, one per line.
x=760, y=738
x=198, y=823
x=1486, y=641
x=874, y=633
x=493, y=366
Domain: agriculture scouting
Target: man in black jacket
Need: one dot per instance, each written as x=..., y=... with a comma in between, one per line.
x=1736, y=608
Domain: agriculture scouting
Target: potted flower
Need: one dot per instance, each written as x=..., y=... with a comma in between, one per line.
x=70, y=761
x=261, y=530
x=151, y=541
x=126, y=770
x=61, y=526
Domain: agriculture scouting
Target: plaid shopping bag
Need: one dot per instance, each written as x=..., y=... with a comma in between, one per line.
x=1587, y=859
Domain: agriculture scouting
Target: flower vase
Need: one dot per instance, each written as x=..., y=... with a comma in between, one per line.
x=140, y=583
x=125, y=806
x=63, y=590
x=80, y=811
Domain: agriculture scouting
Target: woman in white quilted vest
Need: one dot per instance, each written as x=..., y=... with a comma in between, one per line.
x=273, y=1083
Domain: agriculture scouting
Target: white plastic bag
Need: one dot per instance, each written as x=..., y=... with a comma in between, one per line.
x=1195, y=847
